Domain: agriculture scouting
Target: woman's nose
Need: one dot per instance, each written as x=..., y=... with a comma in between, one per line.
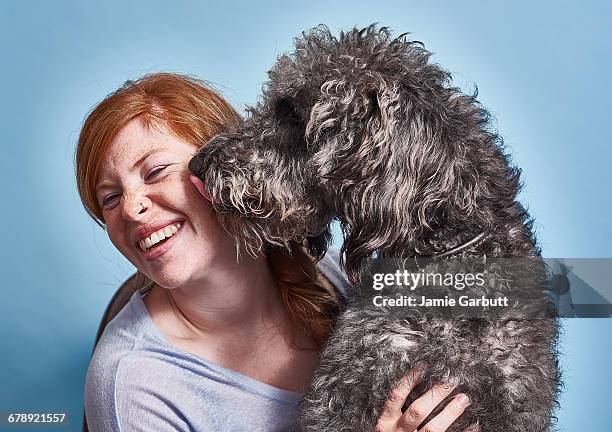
x=135, y=207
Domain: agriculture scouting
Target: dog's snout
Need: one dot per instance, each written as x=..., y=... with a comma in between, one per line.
x=195, y=166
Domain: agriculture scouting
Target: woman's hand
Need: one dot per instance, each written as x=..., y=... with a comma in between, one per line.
x=393, y=420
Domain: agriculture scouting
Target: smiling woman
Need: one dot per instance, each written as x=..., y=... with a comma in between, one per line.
x=206, y=330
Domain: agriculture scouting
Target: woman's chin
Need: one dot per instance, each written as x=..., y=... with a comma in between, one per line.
x=169, y=282
x=166, y=277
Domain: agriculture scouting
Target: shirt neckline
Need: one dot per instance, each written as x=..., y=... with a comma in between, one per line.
x=259, y=387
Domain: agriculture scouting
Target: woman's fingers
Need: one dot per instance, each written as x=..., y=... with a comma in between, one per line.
x=393, y=420
x=200, y=187
x=448, y=415
x=423, y=406
x=397, y=397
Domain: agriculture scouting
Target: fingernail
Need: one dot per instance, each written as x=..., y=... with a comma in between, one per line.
x=462, y=399
x=196, y=166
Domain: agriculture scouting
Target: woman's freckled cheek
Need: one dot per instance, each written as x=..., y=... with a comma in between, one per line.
x=183, y=197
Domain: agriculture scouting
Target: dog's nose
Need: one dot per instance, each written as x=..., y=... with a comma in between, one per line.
x=196, y=166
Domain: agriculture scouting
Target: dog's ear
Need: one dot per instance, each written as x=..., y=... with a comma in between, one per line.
x=354, y=130
x=350, y=115
x=394, y=155
x=381, y=103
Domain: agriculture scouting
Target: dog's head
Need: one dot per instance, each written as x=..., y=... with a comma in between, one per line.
x=361, y=128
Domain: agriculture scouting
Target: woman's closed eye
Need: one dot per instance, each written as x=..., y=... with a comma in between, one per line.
x=110, y=201
x=155, y=172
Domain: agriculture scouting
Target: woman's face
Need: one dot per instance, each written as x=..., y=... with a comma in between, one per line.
x=153, y=213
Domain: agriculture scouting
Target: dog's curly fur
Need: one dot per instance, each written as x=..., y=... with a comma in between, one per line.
x=365, y=129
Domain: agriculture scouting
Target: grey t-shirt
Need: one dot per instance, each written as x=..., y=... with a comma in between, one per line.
x=137, y=381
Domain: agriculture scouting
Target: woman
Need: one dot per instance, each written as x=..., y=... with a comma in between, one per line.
x=210, y=343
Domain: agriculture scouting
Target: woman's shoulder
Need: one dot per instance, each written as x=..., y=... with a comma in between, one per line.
x=118, y=341
x=125, y=371
x=126, y=392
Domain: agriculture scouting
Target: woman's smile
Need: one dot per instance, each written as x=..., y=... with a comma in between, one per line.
x=160, y=239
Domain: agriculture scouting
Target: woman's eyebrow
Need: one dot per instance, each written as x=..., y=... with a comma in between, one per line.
x=146, y=155
x=105, y=183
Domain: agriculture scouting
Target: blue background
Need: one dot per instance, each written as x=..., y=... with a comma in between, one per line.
x=542, y=68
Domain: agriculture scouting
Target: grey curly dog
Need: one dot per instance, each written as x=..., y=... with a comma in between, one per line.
x=363, y=129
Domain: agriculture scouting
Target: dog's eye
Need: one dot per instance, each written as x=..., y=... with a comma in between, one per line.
x=373, y=102
x=285, y=111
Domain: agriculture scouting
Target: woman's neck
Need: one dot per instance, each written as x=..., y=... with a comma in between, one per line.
x=237, y=320
x=240, y=301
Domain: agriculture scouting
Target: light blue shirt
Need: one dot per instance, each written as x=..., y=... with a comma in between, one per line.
x=137, y=381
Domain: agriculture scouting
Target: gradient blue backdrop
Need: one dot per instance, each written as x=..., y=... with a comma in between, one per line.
x=542, y=68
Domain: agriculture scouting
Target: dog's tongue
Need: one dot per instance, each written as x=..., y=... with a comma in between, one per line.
x=197, y=168
x=200, y=187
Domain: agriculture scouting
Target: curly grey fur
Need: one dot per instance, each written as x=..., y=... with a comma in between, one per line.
x=363, y=128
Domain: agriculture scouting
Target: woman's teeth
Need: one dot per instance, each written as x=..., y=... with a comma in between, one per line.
x=164, y=233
